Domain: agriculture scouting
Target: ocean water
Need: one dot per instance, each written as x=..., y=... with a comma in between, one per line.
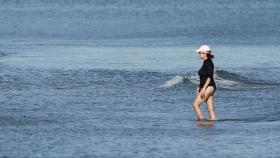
x=117, y=78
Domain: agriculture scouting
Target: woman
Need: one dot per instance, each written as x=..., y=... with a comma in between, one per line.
x=206, y=89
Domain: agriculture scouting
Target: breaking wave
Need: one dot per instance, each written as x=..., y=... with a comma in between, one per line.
x=224, y=79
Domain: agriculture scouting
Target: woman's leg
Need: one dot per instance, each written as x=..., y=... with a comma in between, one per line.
x=196, y=105
x=210, y=102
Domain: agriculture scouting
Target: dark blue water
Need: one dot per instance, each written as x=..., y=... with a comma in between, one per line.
x=117, y=78
x=176, y=22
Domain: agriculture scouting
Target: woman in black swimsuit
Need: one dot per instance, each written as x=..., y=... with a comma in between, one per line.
x=205, y=90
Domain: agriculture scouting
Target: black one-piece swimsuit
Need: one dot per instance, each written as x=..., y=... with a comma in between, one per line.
x=206, y=70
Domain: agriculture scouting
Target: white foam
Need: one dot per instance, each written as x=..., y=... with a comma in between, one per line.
x=173, y=81
x=225, y=83
x=194, y=78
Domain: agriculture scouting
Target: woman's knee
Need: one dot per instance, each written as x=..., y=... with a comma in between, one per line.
x=195, y=104
x=210, y=108
x=210, y=103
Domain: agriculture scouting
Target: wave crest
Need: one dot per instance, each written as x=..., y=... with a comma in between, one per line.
x=223, y=79
x=173, y=81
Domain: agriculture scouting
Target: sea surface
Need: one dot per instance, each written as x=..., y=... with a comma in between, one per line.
x=117, y=78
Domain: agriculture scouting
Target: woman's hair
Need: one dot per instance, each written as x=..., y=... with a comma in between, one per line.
x=210, y=55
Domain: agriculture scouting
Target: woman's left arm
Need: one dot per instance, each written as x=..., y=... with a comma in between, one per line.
x=202, y=95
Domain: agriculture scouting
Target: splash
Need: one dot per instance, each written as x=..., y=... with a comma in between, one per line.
x=173, y=81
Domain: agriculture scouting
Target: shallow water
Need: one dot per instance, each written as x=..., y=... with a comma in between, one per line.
x=61, y=101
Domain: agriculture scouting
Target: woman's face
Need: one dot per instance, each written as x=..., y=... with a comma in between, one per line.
x=202, y=55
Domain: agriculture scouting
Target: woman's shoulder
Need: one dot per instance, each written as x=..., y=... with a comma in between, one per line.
x=208, y=62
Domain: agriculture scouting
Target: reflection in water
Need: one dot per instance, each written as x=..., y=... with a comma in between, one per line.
x=205, y=123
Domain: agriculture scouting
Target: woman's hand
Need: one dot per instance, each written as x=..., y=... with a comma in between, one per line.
x=202, y=93
x=197, y=91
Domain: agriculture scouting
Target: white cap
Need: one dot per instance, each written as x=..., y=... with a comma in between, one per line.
x=203, y=48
